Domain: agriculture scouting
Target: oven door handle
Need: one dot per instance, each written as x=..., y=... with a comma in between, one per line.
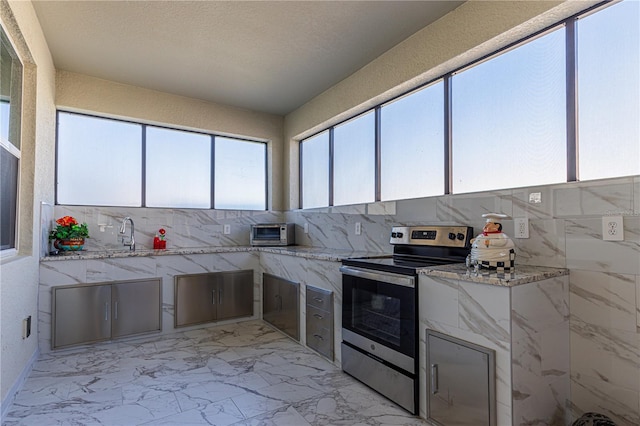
x=386, y=277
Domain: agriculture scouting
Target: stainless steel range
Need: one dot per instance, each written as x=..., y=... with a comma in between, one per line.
x=380, y=308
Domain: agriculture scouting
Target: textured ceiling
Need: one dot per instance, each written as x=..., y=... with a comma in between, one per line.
x=268, y=56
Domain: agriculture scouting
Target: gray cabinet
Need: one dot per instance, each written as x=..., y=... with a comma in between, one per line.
x=460, y=382
x=214, y=296
x=87, y=313
x=281, y=304
x=319, y=321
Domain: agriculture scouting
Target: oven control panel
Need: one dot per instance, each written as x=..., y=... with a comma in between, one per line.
x=432, y=235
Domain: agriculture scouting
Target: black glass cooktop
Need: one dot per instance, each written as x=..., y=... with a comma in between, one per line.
x=400, y=264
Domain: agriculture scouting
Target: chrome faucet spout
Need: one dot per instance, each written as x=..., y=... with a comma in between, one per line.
x=132, y=242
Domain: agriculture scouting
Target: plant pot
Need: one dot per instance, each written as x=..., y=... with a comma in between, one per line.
x=70, y=244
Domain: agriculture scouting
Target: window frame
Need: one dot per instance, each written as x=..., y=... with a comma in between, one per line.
x=10, y=147
x=144, y=127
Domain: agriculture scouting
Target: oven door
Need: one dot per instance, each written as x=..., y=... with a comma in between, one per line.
x=379, y=314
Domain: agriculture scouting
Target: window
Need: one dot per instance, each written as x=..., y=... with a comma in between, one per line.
x=241, y=170
x=412, y=145
x=509, y=120
x=178, y=169
x=509, y=125
x=354, y=150
x=314, y=157
x=101, y=161
x=608, y=88
x=10, y=124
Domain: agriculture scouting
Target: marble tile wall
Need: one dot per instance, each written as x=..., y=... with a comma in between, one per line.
x=185, y=227
x=565, y=231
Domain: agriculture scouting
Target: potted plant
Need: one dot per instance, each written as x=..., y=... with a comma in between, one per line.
x=69, y=234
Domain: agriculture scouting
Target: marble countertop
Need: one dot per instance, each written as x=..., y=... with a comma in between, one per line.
x=333, y=255
x=521, y=274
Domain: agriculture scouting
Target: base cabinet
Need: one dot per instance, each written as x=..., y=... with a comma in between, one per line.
x=214, y=296
x=87, y=313
x=281, y=304
x=461, y=382
x=319, y=321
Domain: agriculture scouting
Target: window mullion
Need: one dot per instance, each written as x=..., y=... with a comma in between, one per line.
x=143, y=189
x=572, y=100
x=213, y=172
x=331, y=153
x=448, y=134
x=378, y=159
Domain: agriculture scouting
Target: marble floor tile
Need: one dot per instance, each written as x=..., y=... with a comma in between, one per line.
x=236, y=374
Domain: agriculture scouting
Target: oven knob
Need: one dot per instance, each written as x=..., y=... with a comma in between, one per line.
x=394, y=235
x=460, y=236
x=399, y=235
x=452, y=236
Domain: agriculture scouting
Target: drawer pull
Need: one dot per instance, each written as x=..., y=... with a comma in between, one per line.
x=317, y=299
x=317, y=336
x=318, y=316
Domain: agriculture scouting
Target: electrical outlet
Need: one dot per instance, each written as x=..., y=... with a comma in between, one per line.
x=358, y=228
x=535, y=197
x=306, y=228
x=521, y=225
x=612, y=228
x=226, y=229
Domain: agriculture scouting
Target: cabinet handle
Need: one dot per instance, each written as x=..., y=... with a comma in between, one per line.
x=434, y=379
x=220, y=296
x=317, y=299
x=106, y=311
x=317, y=336
x=116, y=310
x=318, y=316
x=213, y=297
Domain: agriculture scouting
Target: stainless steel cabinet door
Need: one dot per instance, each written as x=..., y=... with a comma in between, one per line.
x=195, y=299
x=81, y=314
x=271, y=299
x=135, y=307
x=281, y=304
x=461, y=382
x=235, y=294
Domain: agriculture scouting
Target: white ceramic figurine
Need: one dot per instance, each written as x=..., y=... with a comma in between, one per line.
x=493, y=249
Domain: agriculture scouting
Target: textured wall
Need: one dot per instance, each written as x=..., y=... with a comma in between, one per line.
x=81, y=93
x=19, y=278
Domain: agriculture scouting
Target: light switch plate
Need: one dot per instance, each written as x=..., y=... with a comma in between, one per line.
x=358, y=229
x=612, y=228
x=306, y=228
x=226, y=229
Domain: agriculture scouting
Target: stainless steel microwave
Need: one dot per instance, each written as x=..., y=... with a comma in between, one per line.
x=273, y=234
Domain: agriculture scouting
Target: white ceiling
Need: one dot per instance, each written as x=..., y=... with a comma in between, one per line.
x=268, y=56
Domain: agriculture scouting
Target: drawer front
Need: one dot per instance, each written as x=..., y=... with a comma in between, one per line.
x=320, y=339
x=318, y=318
x=321, y=299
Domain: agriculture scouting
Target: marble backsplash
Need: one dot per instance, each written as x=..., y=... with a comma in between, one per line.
x=565, y=232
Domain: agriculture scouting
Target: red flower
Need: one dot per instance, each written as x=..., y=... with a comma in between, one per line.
x=66, y=221
x=162, y=231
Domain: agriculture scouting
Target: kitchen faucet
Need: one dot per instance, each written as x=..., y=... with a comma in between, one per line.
x=123, y=227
